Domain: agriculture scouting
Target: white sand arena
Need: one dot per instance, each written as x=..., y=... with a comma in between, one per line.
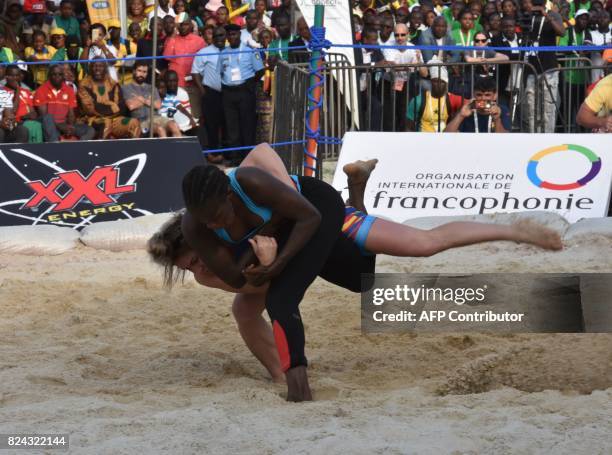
x=93, y=346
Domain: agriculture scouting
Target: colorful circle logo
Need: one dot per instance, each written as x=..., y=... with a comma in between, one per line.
x=532, y=167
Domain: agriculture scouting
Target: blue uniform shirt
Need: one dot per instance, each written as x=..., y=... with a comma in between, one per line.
x=205, y=64
x=236, y=69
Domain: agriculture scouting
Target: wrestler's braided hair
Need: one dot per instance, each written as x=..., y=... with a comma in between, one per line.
x=203, y=184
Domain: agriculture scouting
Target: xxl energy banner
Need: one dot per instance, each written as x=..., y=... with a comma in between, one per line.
x=463, y=174
x=75, y=184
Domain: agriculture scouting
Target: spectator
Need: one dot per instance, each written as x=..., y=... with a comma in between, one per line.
x=136, y=15
x=509, y=9
x=23, y=105
x=486, y=56
x=75, y=52
x=416, y=21
x=600, y=36
x=169, y=24
x=222, y=16
x=264, y=103
x=6, y=53
x=246, y=34
x=482, y=114
x=429, y=112
x=493, y=26
x=464, y=36
x=543, y=29
x=10, y=131
x=70, y=77
x=402, y=83
x=402, y=15
x=13, y=25
x=103, y=105
x=39, y=52
x=362, y=7
x=369, y=81
x=185, y=43
x=66, y=20
x=175, y=104
x=207, y=79
x=575, y=80
x=452, y=14
x=596, y=111
x=510, y=76
x=102, y=49
x=385, y=37
x=262, y=15
x=207, y=34
x=303, y=39
x=137, y=97
x=58, y=41
x=116, y=45
x=438, y=35
x=163, y=10
x=85, y=30
x=56, y=104
x=283, y=29
x=429, y=18
x=239, y=76
x=145, y=48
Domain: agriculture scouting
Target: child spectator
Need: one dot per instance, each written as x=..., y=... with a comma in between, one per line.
x=66, y=20
x=39, y=52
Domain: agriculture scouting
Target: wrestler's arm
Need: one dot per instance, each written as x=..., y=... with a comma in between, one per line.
x=286, y=203
x=212, y=253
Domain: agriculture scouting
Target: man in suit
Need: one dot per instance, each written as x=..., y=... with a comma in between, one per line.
x=370, y=81
x=509, y=75
x=300, y=55
x=438, y=35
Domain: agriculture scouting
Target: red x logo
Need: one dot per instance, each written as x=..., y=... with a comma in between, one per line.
x=97, y=188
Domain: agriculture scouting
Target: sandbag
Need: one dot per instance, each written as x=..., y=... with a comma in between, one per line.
x=37, y=240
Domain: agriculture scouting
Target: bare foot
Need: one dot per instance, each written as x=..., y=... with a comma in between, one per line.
x=529, y=231
x=297, y=385
x=357, y=174
x=359, y=171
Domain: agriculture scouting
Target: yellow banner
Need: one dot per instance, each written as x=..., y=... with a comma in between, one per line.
x=102, y=10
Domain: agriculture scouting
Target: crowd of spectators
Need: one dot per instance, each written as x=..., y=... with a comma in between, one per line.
x=225, y=98
x=427, y=101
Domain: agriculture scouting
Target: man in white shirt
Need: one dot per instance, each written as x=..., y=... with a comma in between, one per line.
x=163, y=10
x=400, y=83
x=601, y=36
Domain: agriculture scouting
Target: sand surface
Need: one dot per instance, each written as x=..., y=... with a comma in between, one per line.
x=93, y=346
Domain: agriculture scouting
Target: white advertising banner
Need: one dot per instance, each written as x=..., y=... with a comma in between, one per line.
x=420, y=174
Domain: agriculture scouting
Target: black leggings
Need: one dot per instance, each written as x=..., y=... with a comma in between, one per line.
x=325, y=254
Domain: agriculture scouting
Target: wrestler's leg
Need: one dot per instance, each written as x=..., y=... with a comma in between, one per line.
x=257, y=332
x=395, y=239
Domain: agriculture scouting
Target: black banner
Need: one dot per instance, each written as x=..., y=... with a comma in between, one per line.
x=74, y=184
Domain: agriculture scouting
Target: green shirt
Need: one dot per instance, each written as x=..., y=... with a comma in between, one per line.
x=70, y=26
x=284, y=54
x=573, y=38
x=6, y=55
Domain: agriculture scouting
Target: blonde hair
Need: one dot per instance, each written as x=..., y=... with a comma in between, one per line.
x=166, y=246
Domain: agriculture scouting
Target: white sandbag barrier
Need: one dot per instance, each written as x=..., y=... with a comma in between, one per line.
x=123, y=235
x=40, y=240
x=133, y=234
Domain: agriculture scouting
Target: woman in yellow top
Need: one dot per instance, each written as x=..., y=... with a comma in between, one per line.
x=136, y=14
x=39, y=52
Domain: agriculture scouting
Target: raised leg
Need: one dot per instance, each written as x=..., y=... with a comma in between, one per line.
x=387, y=237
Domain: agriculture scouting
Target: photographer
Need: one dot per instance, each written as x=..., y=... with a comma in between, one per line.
x=541, y=28
x=482, y=114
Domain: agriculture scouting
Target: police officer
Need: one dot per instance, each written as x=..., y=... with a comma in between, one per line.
x=208, y=80
x=239, y=75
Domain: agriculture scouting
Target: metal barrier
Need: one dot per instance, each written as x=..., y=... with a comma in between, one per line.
x=378, y=98
x=571, y=81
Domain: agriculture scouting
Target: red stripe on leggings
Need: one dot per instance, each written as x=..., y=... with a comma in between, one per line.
x=282, y=346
